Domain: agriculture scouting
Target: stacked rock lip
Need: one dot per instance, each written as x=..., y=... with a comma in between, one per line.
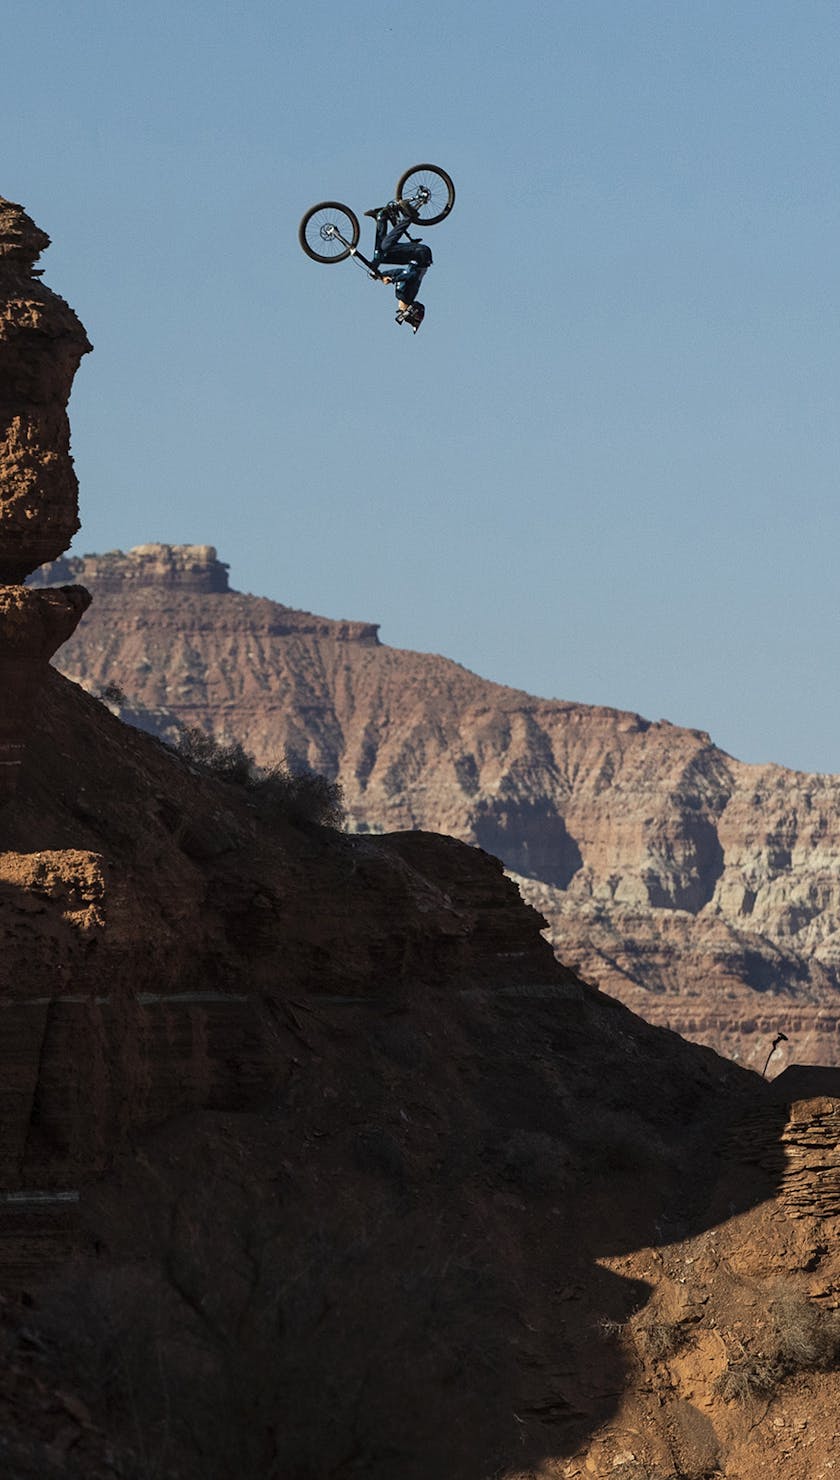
x=41, y=344
x=21, y=241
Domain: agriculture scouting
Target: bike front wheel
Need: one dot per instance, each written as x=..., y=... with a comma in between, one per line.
x=329, y=232
x=427, y=194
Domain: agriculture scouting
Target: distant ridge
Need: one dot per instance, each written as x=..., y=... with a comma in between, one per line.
x=702, y=891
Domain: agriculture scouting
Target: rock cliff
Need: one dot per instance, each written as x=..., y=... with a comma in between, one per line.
x=41, y=345
x=320, y=1122
x=702, y=891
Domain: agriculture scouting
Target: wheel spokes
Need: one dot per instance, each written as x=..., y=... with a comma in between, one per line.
x=328, y=234
x=426, y=194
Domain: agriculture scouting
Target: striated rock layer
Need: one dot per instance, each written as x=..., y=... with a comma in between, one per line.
x=141, y=907
x=332, y=1134
x=702, y=891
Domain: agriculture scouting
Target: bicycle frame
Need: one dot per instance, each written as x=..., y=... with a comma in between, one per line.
x=332, y=232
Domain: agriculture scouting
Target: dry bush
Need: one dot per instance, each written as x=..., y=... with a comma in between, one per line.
x=302, y=796
x=226, y=762
x=808, y=1335
x=278, y=792
x=751, y=1377
x=665, y=1338
x=640, y=1470
x=803, y=1338
x=111, y=693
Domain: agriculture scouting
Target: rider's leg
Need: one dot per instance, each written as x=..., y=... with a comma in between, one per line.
x=392, y=238
x=408, y=289
x=389, y=228
x=382, y=232
x=413, y=260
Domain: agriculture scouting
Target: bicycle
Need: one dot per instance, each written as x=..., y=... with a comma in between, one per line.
x=330, y=231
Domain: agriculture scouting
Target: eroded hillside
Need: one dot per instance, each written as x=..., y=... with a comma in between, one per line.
x=319, y=1124
x=702, y=891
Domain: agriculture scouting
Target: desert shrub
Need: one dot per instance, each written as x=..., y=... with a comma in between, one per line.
x=751, y=1377
x=803, y=1338
x=807, y=1335
x=303, y=796
x=226, y=762
x=665, y=1339
x=639, y=1470
x=111, y=693
x=277, y=791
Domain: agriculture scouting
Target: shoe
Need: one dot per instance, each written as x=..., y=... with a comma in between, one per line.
x=415, y=316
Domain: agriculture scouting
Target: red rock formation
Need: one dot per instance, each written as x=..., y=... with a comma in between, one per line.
x=142, y=908
x=703, y=892
x=306, y=1104
x=41, y=344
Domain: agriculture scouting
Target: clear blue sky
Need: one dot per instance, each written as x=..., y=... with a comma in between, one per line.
x=607, y=468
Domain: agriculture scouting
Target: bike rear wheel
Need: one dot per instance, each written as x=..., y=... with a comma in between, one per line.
x=427, y=194
x=329, y=231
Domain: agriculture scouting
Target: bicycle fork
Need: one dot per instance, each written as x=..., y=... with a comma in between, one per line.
x=333, y=231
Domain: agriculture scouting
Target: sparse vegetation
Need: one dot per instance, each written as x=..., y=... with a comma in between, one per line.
x=226, y=762
x=111, y=693
x=639, y=1470
x=751, y=1377
x=666, y=1338
x=277, y=791
x=809, y=1336
x=803, y=1337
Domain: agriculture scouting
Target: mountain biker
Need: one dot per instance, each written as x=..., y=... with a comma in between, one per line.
x=412, y=259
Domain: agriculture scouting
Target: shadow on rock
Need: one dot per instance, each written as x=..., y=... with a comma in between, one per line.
x=393, y=1271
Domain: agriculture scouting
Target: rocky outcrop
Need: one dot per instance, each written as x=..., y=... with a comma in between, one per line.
x=194, y=568
x=41, y=345
x=702, y=891
x=141, y=909
x=305, y=1104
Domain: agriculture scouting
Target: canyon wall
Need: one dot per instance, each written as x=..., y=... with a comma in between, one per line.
x=702, y=891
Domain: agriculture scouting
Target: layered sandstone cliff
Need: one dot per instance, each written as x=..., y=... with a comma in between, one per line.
x=702, y=891
x=327, y=1129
